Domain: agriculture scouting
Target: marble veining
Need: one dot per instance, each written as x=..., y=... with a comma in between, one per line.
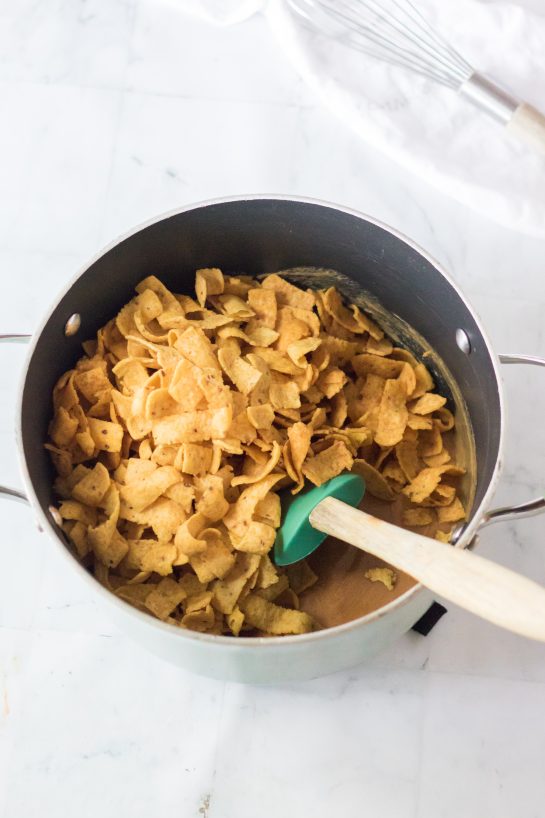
x=113, y=112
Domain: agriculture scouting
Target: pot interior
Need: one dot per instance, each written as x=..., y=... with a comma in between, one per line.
x=404, y=291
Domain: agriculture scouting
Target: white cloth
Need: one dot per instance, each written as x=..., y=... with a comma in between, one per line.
x=423, y=126
x=220, y=12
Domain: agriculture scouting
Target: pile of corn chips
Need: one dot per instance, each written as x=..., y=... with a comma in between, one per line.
x=174, y=434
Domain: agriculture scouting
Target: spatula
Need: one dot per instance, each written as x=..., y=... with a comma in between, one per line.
x=485, y=588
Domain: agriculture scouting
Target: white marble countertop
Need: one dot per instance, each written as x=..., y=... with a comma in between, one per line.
x=112, y=112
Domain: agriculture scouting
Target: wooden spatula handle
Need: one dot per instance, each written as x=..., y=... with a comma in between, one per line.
x=485, y=588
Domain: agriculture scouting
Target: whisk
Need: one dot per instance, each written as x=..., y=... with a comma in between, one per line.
x=395, y=31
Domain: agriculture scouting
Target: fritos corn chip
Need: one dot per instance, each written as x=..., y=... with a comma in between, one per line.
x=272, y=619
x=328, y=463
x=384, y=575
x=174, y=433
x=451, y=513
x=392, y=414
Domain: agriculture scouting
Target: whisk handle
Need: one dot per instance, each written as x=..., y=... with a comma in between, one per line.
x=521, y=119
x=528, y=124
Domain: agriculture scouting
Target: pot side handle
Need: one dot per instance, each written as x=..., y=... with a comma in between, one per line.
x=532, y=507
x=14, y=494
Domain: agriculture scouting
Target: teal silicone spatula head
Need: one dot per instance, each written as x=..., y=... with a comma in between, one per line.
x=296, y=538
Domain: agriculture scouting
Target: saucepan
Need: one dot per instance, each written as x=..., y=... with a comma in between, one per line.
x=255, y=235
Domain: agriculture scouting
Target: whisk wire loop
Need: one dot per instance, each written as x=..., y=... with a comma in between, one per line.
x=392, y=30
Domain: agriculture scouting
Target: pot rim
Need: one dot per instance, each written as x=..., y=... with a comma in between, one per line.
x=260, y=642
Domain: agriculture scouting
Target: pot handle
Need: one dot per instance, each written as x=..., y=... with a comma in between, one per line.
x=14, y=494
x=532, y=507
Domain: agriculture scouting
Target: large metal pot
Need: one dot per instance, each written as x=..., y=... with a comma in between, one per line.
x=256, y=235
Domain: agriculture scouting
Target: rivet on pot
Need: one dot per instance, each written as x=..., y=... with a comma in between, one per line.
x=72, y=325
x=462, y=339
x=57, y=519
